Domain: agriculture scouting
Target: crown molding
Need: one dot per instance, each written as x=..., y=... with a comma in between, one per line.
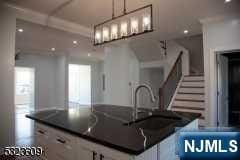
x=219, y=18
x=54, y=22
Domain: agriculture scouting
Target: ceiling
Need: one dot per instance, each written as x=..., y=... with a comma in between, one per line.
x=171, y=17
x=39, y=39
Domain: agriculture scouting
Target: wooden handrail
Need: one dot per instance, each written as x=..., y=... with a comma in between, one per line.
x=161, y=101
x=171, y=72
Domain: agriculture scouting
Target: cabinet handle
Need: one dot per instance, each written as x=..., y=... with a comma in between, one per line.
x=61, y=141
x=94, y=155
x=41, y=132
x=101, y=157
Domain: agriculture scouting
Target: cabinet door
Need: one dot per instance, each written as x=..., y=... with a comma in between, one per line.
x=102, y=157
x=86, y=154
x=42, y=138
x=109, y=154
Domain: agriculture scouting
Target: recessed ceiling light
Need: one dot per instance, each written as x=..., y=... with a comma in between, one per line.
x=226, y=1
x=75, y=42
x=88, y=54
x=185, y=31
x=53, y=49
x=20, y=30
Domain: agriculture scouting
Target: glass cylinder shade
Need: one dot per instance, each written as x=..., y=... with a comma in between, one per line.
x=105, y=34
x=98, y=37
x=146, y=22
x=114, y=31
x=134, y=26
x=124, y=29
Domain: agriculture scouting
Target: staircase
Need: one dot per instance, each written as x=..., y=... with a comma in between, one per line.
x=189, y=97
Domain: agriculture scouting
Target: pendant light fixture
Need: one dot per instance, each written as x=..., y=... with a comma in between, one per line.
x=127, y=25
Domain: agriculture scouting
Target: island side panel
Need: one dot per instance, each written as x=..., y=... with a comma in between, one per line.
x=61, y=145
x=150, y=154
x=167, y=148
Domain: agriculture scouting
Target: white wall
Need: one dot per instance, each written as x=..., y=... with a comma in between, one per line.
x=194, y=44
x=7, y=50
x=121, y=69
x=218, y=35
x=61, y=89
x=173, y=50
x=154, y=78
x=49, y=79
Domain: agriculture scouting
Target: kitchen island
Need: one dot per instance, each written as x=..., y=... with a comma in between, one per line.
x=105, y=132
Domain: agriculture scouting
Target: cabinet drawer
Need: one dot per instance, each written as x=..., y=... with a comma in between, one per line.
x=64, y=145
x=42, y=138
x=64, y=148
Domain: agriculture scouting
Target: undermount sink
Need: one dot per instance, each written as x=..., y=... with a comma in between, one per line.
x=153, y=123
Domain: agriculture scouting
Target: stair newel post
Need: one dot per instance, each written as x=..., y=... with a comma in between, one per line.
x=161, y=99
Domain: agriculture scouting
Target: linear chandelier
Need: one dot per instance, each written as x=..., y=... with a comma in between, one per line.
x=129, y=24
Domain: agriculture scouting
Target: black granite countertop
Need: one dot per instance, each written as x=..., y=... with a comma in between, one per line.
x=104, y=124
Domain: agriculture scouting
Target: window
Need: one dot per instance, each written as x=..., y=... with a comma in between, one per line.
x=79, y=85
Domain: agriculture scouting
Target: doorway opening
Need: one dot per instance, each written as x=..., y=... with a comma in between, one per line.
x=79, y=87
x=228, y=89
x=24, y=104
x=24, y=89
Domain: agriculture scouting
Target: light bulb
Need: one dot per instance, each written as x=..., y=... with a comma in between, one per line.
x=146, y=23
x=20, y=30
x=114, y=31
x=134, y=26
x=98, y=37
x=124, y=28
x=185, y=31
x=105, y=34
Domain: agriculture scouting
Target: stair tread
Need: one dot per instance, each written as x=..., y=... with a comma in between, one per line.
x=190, y=108
x=193, y=80
x=189, y=100
x=189, y=104
x=192, y=86
x=188, y=111
x=191, y=90
x=190, y=97
x=190, y=93
x=195, y=75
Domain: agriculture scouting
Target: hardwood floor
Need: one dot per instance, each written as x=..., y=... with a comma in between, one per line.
x=24, y=128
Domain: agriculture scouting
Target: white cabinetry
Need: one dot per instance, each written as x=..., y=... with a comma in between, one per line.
x=56, y=144
x=93, y=151
x=59, y=145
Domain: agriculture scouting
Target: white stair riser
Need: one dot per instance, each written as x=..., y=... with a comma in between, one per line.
x=189, y=104
x=189, y=111
x=191, y=90
x=201, y=122
x=190, y=97
x=193, y=78
x=193, y=84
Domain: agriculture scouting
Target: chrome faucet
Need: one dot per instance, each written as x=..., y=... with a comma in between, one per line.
x=136, y=97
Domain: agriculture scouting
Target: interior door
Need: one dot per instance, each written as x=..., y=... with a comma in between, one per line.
x=222, y=90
